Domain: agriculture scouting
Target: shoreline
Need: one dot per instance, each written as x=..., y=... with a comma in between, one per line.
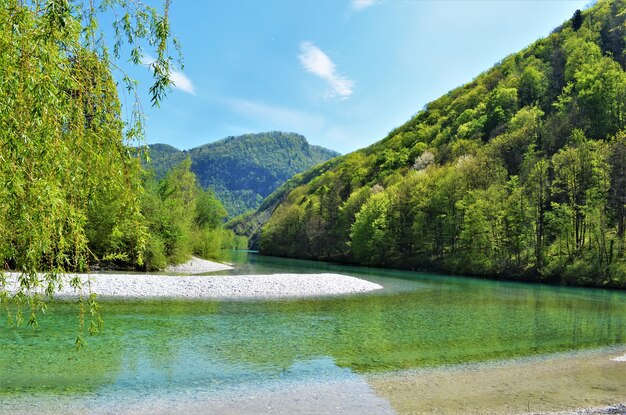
x=581, y=382
x=208, y=287
x=182, y=283
x=197, y=266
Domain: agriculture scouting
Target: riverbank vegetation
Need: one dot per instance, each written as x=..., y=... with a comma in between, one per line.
x=72, y=189
x=183, y=219
x=519, y=174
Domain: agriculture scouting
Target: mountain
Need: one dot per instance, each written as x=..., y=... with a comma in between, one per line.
x=519, y=174
x=245, y=169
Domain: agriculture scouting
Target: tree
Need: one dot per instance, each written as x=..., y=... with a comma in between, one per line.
x=537, y=188
x=480, y=231
x=577, y=20
x=601, y=88
x=209, y=211
x=580, y=187
x=617, y=160
x=533, y=86
x=348, y=212
x=501, y=105
x=572, y=179
x=517, y=227
x=370, y=236
x=178, y=192
x=283, y=235
x=182, y=219
x=67, y=172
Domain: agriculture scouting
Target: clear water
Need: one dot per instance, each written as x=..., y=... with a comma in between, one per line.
x=418, y=320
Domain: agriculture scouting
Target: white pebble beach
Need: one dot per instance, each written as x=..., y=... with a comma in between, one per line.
x=155, y=286
x=197, y=266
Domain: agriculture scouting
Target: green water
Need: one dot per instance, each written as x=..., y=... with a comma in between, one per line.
x=417, y=320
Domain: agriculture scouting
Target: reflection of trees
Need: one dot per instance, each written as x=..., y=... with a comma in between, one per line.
x=167, y=343
x=46, y=359
x=444, y=325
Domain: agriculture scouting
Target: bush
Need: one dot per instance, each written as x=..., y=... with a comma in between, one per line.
x=154, y=255
x=207, y=243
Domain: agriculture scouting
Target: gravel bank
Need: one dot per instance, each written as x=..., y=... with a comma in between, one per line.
x=143, y=286
x=333, y=397
x=613, y=409
x=573, y=383
x=197, y=266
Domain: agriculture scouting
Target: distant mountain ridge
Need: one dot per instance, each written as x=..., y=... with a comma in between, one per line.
x=243, y=170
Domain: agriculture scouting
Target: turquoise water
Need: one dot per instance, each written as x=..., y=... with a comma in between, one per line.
x=417, y=320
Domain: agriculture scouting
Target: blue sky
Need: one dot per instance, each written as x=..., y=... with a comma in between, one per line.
x=342, y=73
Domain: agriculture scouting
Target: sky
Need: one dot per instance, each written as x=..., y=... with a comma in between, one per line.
x=343, y=73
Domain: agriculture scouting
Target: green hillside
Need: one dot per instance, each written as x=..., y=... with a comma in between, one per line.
x=519, y=174
x=245, y=169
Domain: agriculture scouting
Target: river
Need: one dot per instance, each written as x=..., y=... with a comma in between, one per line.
x=327, y=354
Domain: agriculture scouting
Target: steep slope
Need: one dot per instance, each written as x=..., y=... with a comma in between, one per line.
x=519, y=174
x=243, y=170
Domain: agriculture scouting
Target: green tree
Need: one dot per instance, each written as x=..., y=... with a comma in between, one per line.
x=617, y=160
x=348, y=212
x=282, y=235
x=209, y=211
x=572, y=179
x=517, y=224
x=182, y=219
x=577, y=20
x=533, y=86
x=370, y=232
x=67, y=173
x=178, y=192
x=581, y=186
x=478, y=237
x=537, y=188
x=601, y=88
x=501, y=105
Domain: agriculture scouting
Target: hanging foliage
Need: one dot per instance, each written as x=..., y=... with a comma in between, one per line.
x=70, y=182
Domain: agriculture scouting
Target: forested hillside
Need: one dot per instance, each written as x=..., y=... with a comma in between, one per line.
x=245, y=169
x=519, y=174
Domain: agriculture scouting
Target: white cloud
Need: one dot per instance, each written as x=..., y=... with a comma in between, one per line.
x=179, y=79
x=273, y=117
x=315, y=61
x=359, y=5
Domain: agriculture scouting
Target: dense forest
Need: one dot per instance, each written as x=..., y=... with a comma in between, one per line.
x=243, y=170
x=519, y=174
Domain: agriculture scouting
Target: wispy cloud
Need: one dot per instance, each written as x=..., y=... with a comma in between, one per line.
x=315, y=61
x=359, y=5
x=274, y=117
x=179, y=79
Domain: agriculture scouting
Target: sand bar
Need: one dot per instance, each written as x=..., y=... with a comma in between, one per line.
x=152, y=286
x=197, y=266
